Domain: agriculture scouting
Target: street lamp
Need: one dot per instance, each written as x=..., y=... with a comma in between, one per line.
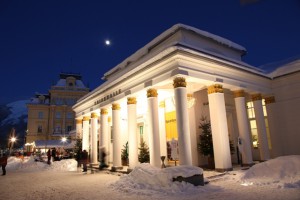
x=12, y=140
x=63, y=139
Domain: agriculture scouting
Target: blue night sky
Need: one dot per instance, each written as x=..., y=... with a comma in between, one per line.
x=40, y=39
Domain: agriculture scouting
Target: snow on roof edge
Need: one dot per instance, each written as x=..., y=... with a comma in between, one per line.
x=285, y=69
x=144, y=50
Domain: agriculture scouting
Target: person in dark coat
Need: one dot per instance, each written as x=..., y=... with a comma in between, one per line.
x=49, y=156
x=102, y=161
x=3, y=162
x=53, y=153
x=84, y=160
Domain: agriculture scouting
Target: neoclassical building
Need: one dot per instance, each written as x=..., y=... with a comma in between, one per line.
x=160, y=93
x=50, y=116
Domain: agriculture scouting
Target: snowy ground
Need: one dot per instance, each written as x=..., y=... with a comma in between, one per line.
x=275, y=179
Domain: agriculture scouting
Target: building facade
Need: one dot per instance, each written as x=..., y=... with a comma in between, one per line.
x=161, y=93
x=50, y=116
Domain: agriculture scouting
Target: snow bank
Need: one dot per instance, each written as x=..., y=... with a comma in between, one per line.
x=29, y=164
x=283, y=172
x=146, y=179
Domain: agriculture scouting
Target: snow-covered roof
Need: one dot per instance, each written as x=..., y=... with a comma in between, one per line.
x=63, y=83
x=156, y=41
x=53, y=144
x=270, y=67
x=286, y=68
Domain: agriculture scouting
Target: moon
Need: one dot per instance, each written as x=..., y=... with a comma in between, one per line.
x=107, y=42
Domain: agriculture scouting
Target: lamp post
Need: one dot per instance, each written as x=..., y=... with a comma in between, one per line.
x=12, y=141
x=64, y=140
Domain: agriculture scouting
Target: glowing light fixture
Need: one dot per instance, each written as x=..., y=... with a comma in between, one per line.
x=13, y=139
x=63, y=139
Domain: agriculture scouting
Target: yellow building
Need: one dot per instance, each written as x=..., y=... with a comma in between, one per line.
x=50, y=116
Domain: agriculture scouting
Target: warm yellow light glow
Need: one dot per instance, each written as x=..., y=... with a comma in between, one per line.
x=63, y=139
x=13, y=139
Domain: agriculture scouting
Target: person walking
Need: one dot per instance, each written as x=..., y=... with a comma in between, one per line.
x=84, y=160
x=3, y=162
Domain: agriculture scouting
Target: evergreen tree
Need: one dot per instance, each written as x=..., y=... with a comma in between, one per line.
x=206, y=143
x=144, y=156
x=124, y=154
x=78, y=148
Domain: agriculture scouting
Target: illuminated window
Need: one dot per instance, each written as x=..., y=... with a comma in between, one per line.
x=141, y=133
x=253, y=126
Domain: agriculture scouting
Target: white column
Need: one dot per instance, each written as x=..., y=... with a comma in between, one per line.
x=193, y=130
x=153, y=127
x=79, y=128
x=182, y=121
x=94, y=138
x=162, y=130
x=276, y=139
x=103, y=136
x=116, y=123
x=132, y=135
x=261, y=127
x=244, y=128
x=219, y=128
x=85, y=133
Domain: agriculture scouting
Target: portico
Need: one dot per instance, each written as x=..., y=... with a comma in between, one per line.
x=160, y=93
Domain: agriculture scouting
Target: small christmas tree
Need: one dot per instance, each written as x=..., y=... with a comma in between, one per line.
x=124, y=154
x=78, y=149
x=206, y=143
x=144, y=156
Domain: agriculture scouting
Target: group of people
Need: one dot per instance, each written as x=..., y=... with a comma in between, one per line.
x=83, y=158
x=3, y=162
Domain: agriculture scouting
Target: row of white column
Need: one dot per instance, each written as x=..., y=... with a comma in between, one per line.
x=218, y=123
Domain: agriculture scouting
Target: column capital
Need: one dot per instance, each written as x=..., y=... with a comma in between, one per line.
x=216, y=88
x=116, y=106
x=256, y=97
x=131, y=100
x=269, y=100
x=239, y=93
x=86, y=118
x=151, y=92
x=179, y=82
x=103, y=111
x=94, y=115
x=78, y=121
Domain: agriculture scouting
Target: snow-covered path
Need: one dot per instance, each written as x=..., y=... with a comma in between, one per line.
x=39, y=181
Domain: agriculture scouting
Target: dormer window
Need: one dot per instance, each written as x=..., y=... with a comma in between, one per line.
x=70, y=81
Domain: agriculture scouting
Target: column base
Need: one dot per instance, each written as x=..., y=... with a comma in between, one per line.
x=247, y=164
x=223, y=170
x=115, y=168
